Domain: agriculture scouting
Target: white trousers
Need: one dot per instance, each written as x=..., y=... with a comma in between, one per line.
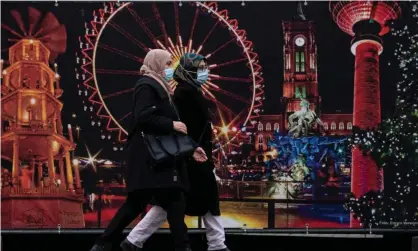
x=215, y=233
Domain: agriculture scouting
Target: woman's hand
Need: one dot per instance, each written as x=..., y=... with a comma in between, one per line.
x=180, y=127
x=199, y=155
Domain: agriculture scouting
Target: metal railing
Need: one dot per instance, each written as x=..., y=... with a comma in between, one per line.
x=246, y=192
x=289, y=190
x=251, y=192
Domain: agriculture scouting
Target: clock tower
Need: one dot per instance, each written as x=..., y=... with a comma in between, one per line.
x=300, y=63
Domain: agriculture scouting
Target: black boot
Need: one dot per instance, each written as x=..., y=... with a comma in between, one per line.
x=107, y=246
x=128, y=246
x=183, y=249
x=97, y=248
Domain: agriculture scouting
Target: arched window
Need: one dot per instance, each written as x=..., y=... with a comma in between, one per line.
x=349, y=126
x=276, y=126
x=260, y=126
x=333, y=126
x=325, y=126
x=341, y=126
x=260, y=142
x=268, y=127
x=300, y=61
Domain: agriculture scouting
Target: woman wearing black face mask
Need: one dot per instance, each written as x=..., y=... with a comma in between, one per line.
x=202, y=198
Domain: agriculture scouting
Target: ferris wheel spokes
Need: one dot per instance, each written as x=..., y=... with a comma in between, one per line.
x=227, y=110
x=196, y=14
x=124, y=116
x=230, y=94
x=176, y=17
x=214, y=66
x=234, y=79
x=117, y=72
x=223, y=46
x=160, y=22
x=120, y=52
x=128, y=36
x=129, y=90
x=156, y=36
x=143, y=25
x=209, y=33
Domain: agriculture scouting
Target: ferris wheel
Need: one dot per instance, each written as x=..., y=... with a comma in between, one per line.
x=118, y=38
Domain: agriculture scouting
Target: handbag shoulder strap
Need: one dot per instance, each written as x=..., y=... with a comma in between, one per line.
x=161, y=94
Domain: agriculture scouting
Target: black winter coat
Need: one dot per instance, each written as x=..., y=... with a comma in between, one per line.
x=152, y=113
x=193, y=109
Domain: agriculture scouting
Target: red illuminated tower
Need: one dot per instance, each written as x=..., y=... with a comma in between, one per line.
x=366, y=21
x=300, y=54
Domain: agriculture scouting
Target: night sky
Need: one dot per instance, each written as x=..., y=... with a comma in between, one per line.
x=262, y=21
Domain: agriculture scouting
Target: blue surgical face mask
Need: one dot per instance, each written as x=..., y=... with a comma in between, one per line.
x=169, y=72
x=202, y=76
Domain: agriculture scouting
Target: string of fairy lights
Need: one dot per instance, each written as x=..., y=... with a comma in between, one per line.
x=394, y=144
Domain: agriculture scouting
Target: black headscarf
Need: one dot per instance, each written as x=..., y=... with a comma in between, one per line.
x=186, y=71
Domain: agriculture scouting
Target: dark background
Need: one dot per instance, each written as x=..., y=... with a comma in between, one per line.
x=84, y=241
x=262, y=21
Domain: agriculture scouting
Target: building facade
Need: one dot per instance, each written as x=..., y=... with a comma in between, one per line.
x=300, y=81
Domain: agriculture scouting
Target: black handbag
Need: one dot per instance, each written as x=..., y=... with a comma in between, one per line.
x=164, y=148
x=167, y=147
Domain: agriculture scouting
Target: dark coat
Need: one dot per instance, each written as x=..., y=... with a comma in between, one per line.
x=193, y=109
x=152, y=113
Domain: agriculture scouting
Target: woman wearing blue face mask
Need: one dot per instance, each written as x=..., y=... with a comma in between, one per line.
x=168, y=74
x=202, y=199
x=165, y=183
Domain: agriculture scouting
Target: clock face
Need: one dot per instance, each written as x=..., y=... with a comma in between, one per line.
x=300, y=41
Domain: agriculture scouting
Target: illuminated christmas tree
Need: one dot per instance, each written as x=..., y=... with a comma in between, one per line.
x=394, y=144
